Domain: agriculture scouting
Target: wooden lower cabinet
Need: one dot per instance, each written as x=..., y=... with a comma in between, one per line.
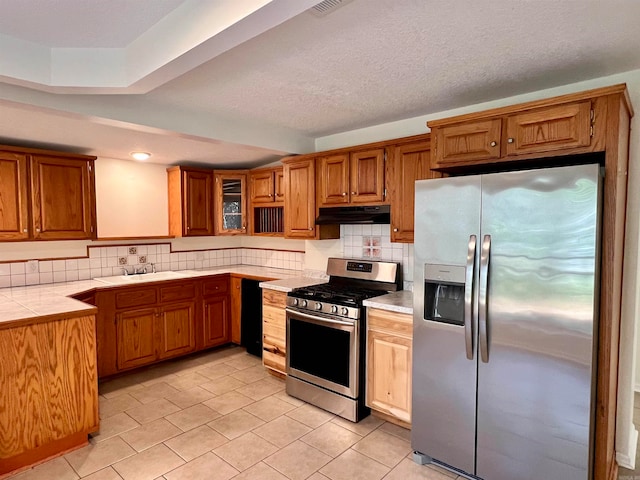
x=389, y=351
x=49, y=392
x=216, y=321
x=177, y=332
x=236, y=309
x=274, y=330
x=136, y=338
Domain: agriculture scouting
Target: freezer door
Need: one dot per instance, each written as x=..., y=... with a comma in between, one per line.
x=540, y=232
x=447, y=226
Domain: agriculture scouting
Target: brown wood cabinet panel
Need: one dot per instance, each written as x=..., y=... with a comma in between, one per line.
x=366, y=177
x=278, y=184
x=551, y=128
x=137, y=338
x=14, y=200
x=274, y=298
x=190, y=201
x=478, y=140
x=136, y=297
x=215, y=286
x=389, y=356
x=236, y=309
x=177, y=292
x=216, y=321
x=177, y=330
x=230, y=193
x=274, y=323
x=49, y=393
x=62, y=198
x=300, y=209
x=408, y=163
x=262, y=186
x=333, y=179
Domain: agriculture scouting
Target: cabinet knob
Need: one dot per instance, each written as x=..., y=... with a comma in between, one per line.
x=353, y=193
x=344, y=194
x=310, y=228
x=395, y=229
x=493, y=144
x=270, y=195
x=25, y=230
x=509, y=140
x=37, y=229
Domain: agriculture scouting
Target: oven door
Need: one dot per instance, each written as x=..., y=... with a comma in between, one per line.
x=323, y=350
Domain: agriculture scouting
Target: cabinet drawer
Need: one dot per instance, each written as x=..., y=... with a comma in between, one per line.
x=274, y=361
x=274, y=298
x=390, y=322
x=215, y=286
x=182, y=291
x=136, y=297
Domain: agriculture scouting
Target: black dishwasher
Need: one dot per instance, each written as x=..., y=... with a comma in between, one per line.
x=251, y=317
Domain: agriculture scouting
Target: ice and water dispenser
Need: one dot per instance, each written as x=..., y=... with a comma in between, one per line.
x=444, y=293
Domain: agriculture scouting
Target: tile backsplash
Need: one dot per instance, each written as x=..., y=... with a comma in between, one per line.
x=104, y=261
x=374, y=242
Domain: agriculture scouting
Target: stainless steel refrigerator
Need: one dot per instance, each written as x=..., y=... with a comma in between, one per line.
x=505, y=322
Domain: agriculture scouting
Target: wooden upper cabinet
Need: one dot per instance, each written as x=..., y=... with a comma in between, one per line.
x=230, y=189
x=351, y=178
x=265, y=185
x=300, y=210
x=366, y=177
x=333, y=179
x=407, y=163
x=468, y=141
x=537, y=130
x=14, y=200
x=190, y=202
x=62, y=196
x=553, y=128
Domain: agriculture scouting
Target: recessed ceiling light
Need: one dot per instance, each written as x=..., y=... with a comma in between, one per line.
x=140, y=155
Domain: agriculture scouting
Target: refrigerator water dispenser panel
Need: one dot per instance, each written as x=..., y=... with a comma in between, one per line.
x=444, y=293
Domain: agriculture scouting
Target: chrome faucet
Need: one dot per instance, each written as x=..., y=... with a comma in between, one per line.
x=125, y=271
x=143, y=268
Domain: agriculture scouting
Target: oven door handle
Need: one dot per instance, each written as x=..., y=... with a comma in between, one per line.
x=315, y=318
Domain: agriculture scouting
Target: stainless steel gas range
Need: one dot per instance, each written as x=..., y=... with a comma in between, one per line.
x=326, y=335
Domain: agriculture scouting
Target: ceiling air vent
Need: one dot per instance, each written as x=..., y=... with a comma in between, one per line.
x=325, y=8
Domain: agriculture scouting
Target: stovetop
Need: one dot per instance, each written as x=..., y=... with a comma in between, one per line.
x=336, y=294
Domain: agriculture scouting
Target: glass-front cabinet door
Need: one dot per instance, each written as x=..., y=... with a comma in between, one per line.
x=231, y=203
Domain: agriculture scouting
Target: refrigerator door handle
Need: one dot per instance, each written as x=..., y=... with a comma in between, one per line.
x=468, y=296
x=482, y=299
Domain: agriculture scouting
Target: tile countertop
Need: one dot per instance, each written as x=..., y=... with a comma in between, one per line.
x=22, y=305
x=401, y=302
x=288, y=284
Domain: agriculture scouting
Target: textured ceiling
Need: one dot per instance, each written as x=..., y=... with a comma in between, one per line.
x=367, y=63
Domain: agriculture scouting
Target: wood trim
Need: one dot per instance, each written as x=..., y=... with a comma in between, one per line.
x=13, y=465
x=521, y=107
x=51, y=153
x=55, y=317
x=391, y=419
x=111, y=239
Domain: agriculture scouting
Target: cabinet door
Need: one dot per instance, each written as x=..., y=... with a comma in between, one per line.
x=467, y=142
x=198, y=203
x=14, y=208
x=262, y=187
x=299, y=209
x=408, y=163
x=278, y=184
x=177, y=333
x=236, y=309
x=216, y=321
x=62, y=198
x=333, y=179
x=547, y=129
x=136, y=338
x=366, y=178
x=231, y=204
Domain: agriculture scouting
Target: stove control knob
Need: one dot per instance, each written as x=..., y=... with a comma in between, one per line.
x=334, y=309
x=295, y=302
x=304, y=303
x=345, y=310
x=318, y=306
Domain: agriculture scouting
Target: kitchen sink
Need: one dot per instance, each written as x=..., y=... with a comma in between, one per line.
x=141, y=278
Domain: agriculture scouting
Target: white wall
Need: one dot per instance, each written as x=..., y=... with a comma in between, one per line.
x=131, y=199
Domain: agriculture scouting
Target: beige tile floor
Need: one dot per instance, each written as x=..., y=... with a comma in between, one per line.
x=218, y=416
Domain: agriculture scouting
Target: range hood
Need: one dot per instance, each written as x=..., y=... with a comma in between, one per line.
x=354, y=215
